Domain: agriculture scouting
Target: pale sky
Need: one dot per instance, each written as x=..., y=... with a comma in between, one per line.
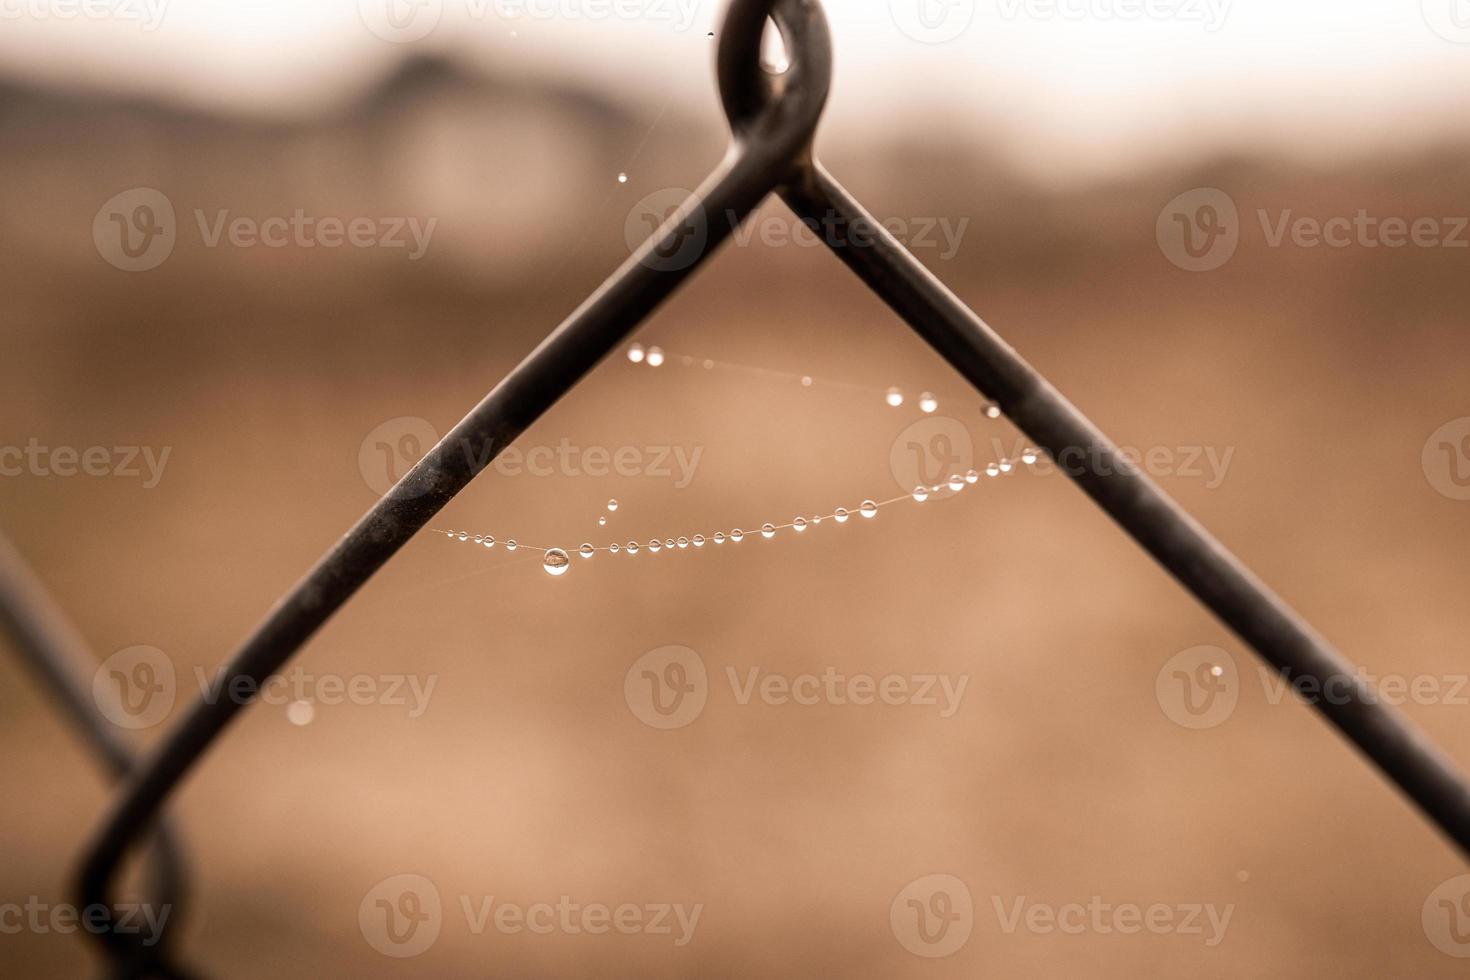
x=1098, y=80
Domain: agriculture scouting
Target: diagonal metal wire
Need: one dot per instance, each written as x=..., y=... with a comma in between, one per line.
x=56, y=653
x=773, y=119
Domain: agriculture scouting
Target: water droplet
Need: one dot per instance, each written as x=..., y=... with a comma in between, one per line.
x=699, y=541
x=992, y=470
x=709, y=365
x=632, y=547
x=928, y=404
x=1006, y=466
x=683, y=543
x=1029, y=457
x=612, y=505
x=957, y=483
x=586, y=551
x=622, y=178
x=868, y=509
x=841, y=515
x=806, y=381
x=921, y=494
x=991, y=410
x=669, y=543
x=655, y=546
x=737, y=535
x=511, y=545
x=768, y=531
x=479, y=538
x=602, y=522
x=816, y=521
x=556, y=562
x=300, y=713
x=719, y=537
x=464, y=535
x=614, y=547
x=894, y=397
x=972, y=477
x=489, y=541
x=449, y=533
x=799, y=524
x=655, y=356
x=635, y=354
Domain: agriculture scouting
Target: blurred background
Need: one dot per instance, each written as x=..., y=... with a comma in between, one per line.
x=1233, y=233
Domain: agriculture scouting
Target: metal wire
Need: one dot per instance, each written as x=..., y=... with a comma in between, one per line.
x=773, y=119
x=56, y=653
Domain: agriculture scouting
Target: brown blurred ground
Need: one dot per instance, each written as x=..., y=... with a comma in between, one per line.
x=528, y=778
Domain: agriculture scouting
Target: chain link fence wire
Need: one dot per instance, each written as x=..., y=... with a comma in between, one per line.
x=773, y=119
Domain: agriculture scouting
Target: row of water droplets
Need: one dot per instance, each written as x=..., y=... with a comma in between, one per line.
x=894, y=397
x=557, y=561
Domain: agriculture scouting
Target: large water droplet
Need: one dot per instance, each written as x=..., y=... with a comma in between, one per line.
x=655, y=546
x=893, y=397
x=957, y=483
x=1006, y=466
x=921, y=494
x=669, y=543
x=614, y=547
x=636, y=354
x=464, y=535
x=768, y=531
x=699, y=541
x=655, y=356
x=841, y=515
x=1029, y=457
x=622, y=178
x=556, y=562
x=868, y=509
x=511, y=545
x=612, y=505
x=719, y=537
x=587, y=551
x=683, y=543
x=737, y=535
x=632, y=547
x=489, y=541
x=972, y=477
x=799, y=524
x=991, y=410
x=928, y=404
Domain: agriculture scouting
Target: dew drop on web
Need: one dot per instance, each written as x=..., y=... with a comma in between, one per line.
x=556, y=562
x=868, y=509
